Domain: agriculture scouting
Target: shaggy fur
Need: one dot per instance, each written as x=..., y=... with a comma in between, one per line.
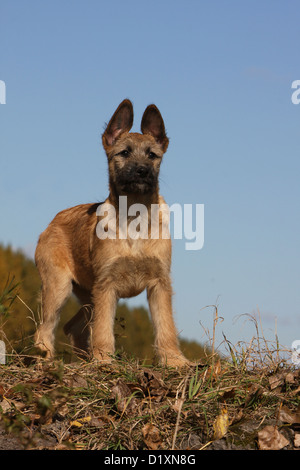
x=71, y=257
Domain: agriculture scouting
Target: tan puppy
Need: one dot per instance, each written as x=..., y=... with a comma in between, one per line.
x=71, y=256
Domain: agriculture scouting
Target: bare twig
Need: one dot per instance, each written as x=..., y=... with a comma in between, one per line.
x=180, y=404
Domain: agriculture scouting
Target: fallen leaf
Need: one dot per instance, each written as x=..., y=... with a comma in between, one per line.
x=293, y=377
x=297, y=440
x=288, y=416
x=290, y=377
x=153, y=384
x=269, y=438
x=123, y=397
x=88, y=420
x=281, y=378
x=78, y=423
x=5, y=406
x=276, y=381
x=8, y=405
x=75, y=381
x=221, y=424
x=151, y=436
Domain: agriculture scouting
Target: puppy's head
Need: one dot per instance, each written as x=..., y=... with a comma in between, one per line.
x=134, y=159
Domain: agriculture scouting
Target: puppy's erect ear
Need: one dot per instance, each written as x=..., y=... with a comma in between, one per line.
x=152, y=123
x=120, y=122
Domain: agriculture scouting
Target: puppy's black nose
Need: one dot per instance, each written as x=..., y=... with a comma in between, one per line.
x=142, y=171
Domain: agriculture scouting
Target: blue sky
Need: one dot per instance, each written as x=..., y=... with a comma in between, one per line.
x=221, y=74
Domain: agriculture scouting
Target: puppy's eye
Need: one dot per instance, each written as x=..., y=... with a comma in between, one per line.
x=152, y=155
x=124, y=153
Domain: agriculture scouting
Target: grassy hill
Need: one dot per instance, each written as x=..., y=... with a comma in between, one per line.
x=127, y=406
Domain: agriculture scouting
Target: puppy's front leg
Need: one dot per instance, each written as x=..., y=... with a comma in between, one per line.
x=103, y=341
x=166, y=342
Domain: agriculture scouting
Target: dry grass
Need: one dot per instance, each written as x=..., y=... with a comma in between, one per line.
x=221, y=403
x=246, y=401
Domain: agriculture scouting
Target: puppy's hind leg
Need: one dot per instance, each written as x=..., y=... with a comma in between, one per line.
x=78, y=328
